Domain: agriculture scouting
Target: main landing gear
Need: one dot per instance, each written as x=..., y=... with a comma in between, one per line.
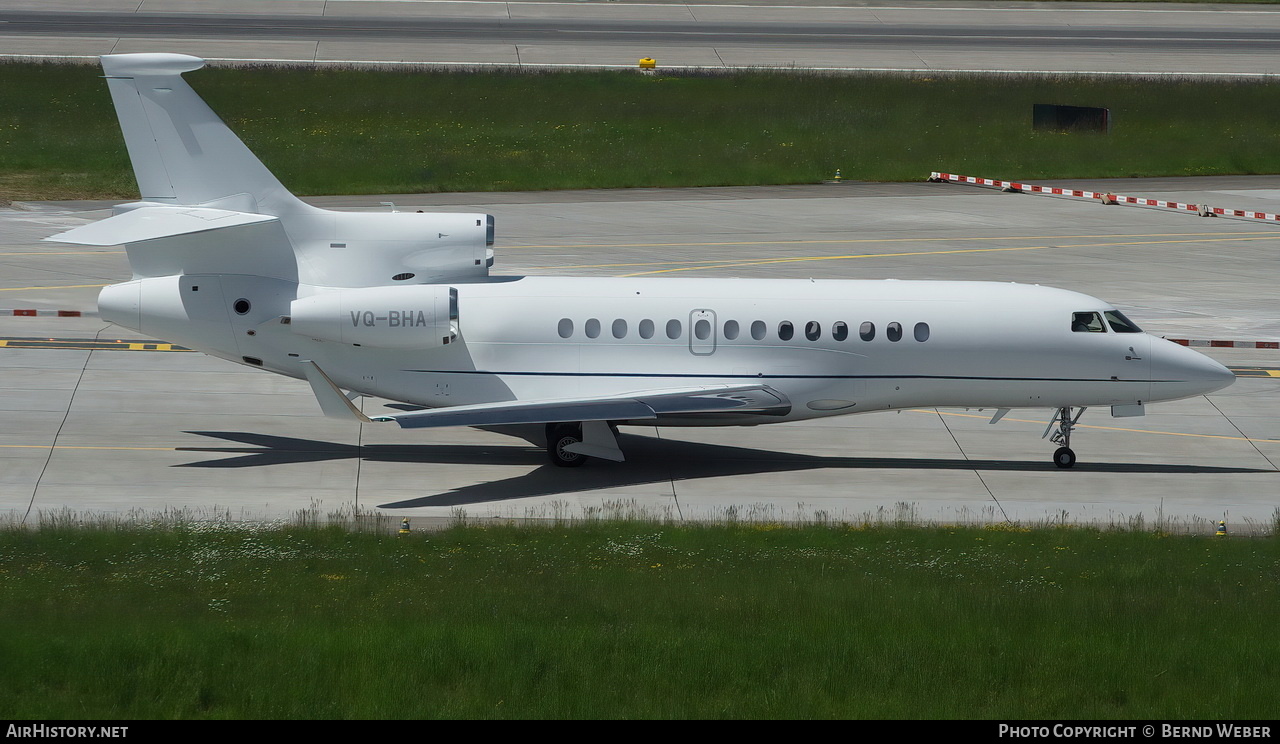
x=570, y=444
x=1063, y=457
x=560, y=436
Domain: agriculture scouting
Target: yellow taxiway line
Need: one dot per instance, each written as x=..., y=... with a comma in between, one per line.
x=930, y=412
x=59, y=253
x=85, y=447
x=63, y=286
x=801, y=259
x=89, y=344
x=848, y=241
x=1101, y=428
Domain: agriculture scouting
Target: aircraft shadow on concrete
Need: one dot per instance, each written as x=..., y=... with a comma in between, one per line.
x=649, y=461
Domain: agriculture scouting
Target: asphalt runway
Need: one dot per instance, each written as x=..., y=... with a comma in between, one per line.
x=613, y=31
x=94, y=422
x=1153, y=38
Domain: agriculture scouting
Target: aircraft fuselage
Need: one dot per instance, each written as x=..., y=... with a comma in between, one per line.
x=833, y=347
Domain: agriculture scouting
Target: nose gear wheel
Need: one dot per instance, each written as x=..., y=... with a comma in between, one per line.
x=1064, y=456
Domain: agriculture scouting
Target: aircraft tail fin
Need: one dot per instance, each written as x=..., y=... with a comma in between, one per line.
x=182, y=153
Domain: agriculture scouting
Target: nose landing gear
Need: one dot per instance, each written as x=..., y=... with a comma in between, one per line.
x=1063, y=457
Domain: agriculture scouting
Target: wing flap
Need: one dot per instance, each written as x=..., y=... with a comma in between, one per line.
x=523, y=412
x=744, y=398
x=639, y=406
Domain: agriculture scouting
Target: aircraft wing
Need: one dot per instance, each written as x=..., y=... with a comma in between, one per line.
x=636, y=406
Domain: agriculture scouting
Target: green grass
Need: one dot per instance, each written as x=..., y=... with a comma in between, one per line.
x=350, y=131
x=1202, y=2
x=636, y=620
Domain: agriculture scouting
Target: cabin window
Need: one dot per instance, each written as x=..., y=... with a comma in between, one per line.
x=702, y=329
x=674, y=329
x=619, y=328
x=893, y=331
x=646, y=328
x=1087, y=323
x=565, y=328
x=813, y=330
x=758, y=330
x=1121, y=324
x=867, y=331
x=592, y=328
x=731, y=329
x=922, y=332
x=786, y=330
x=839, y=330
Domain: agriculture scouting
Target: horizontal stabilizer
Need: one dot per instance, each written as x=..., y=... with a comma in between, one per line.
x=150, y=223
x=634, y=407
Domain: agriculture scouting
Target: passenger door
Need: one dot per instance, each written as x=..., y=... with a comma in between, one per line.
x=702, y=332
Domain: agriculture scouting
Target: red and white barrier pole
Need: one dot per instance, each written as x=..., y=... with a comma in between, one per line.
x=42, y=313
x=1105, y=198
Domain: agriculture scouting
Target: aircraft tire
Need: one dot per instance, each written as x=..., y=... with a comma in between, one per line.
x=558, y=437
x=1064, y=457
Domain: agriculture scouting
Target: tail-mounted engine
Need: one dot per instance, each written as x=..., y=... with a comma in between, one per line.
x=409, y=317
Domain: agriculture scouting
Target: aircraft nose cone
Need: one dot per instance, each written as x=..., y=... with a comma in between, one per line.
x=1220, y=376
x=1179, y=372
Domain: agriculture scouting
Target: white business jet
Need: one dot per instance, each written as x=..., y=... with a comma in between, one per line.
x=398, y=305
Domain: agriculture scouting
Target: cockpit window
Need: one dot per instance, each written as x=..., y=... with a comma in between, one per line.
x=1121, y=324
x=1087, y=323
